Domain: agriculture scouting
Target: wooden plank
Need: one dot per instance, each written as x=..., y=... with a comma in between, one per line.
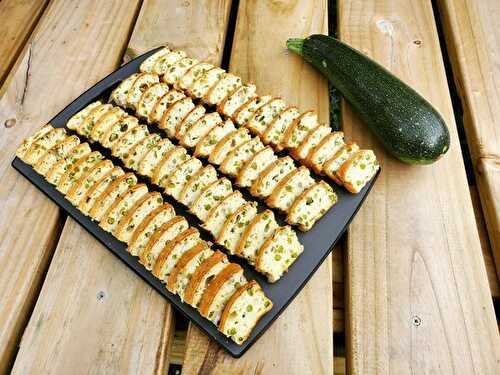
x=94, y=315
x=140, y=341
x=52, y=72
x=418, y=297
x=472, y=31
x=259, y=56
x=485, y=244
x=197, y=27
x=19, y=17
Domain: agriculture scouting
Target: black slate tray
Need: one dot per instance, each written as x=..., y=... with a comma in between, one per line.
x=318, y=242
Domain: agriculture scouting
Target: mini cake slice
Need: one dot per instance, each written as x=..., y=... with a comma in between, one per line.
x=61, y=166
x=227, y=84
x=88, y=123
x=119, y=186
x=236, y=159
x=297, y=132
x=228, y=144
x=139, y=150
x=180, y=176
x=147, y=65
x=160, y=238
x=289, y=189
x=199, y=129
x=192, y=74
x=236, y=99
x=275, y=132
x=174, y=250
x=203, y=276
x=254, y=167
x=243, y=310
x=174, y=115
x=172, y=159
x=56, y=153
x=141, y=84
x=209, y=197
x=120, y=207
x=246, y=111
x=165, y=62
x=312, y=204
x=205, y=82
x=120, y=93
x=271, y=176
x=207, y=144
x=122, y=147
x=235, y=225
x=137, y=213
x=105, y=123
x=87, y=180
x=90, y=197
x=194, y=187
x=194, y=115
x=333, y=164
x=186, y=266
x=76, y=171
x=117, y=130
x=278, y=253
x=21, y=150
x=222, y=211
x=358, y=170
x=75, y=121
x=148, y=227
x=178, y=69
x=220, y=289
x=163, y=104
x=325, y=149
x=256, y=233
x=311, y=141
x=149, y=98
x=153, y=157
x=42, y=145
x=265, y=115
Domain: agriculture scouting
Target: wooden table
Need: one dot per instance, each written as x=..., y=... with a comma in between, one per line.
x=410, y=279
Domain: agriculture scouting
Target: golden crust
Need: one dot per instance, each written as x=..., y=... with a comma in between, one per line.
x=155, y=178
x=108, y=191
x=265, y=135
x=248, y=230
x=271, y=201
x=120, y=198
x=199, y=273
x=160, y=261
x=248, y=163
x=79, y=162
x=183, y=261
x=143, y=256
x=140, y=228
x=215, y=285
x=76, y=185
x=315, y=167
x=95, y=186
x=180, y=124
x=126, y=219
x=162, y=124
x=292, y=127
x=326, y=167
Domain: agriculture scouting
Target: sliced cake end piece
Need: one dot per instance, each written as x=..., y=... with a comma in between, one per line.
x=358, y=170
x=75, y=121
x=243, y=311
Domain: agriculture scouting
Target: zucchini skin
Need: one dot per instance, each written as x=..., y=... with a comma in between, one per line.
x=404, y=122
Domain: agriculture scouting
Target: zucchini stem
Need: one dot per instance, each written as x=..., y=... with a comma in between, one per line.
x=295, y=45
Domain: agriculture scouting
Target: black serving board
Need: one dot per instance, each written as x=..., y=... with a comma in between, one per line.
x=318, y=242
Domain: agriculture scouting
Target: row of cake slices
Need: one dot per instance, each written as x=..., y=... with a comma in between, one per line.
x=164, y=242
x=284, y=187
x=233, y=221
x=270, y=118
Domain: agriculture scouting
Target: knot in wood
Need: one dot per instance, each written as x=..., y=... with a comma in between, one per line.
x=10, y=123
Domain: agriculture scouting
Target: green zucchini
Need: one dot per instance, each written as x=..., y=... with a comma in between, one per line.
x=404, y=122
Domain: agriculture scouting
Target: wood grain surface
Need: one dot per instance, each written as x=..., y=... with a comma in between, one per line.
x=259, y=55
x=53, y=71
x=19, y=17
x=472, y=31
x=417, y=297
